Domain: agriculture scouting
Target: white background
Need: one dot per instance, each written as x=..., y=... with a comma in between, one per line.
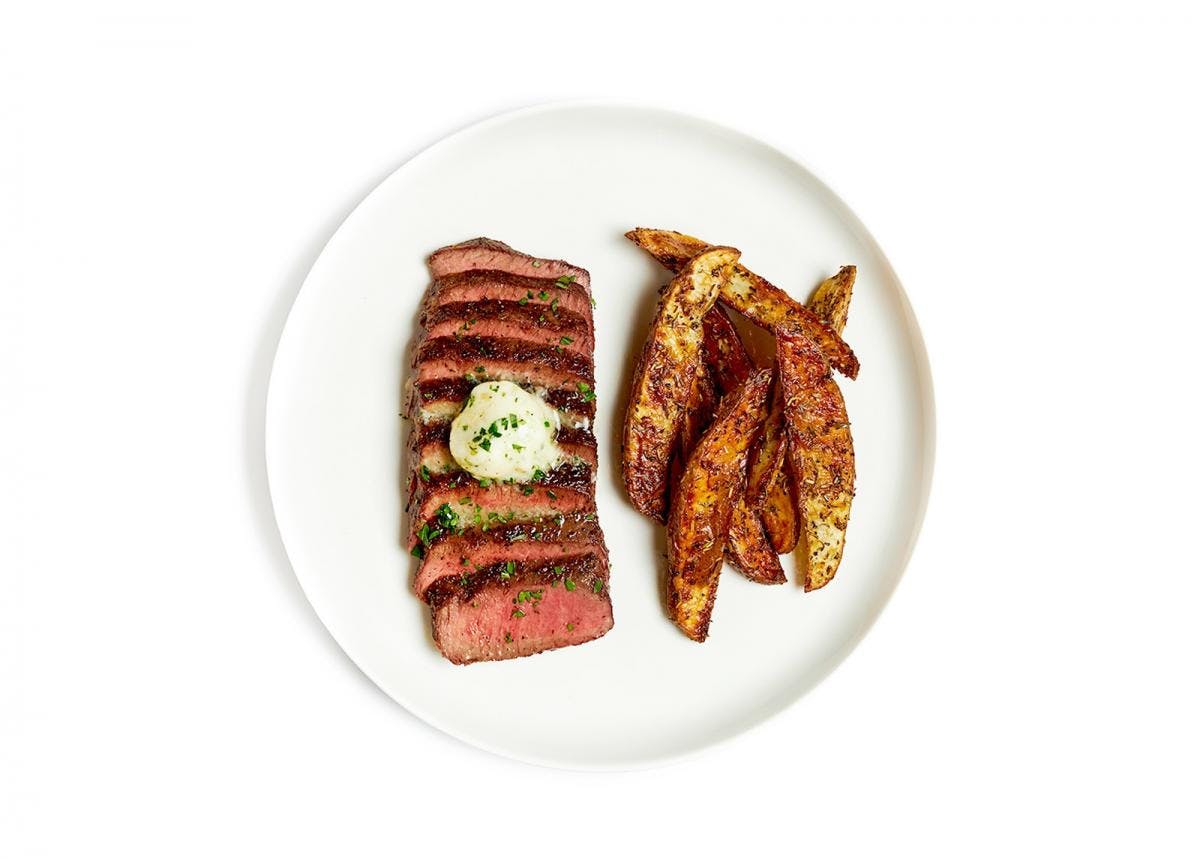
x=168, y=174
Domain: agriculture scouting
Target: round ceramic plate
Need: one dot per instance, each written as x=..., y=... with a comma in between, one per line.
x=566, y=181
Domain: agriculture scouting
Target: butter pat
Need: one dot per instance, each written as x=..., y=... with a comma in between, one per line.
x=505, y=433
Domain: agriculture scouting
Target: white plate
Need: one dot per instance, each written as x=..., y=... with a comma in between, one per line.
x=566, y=181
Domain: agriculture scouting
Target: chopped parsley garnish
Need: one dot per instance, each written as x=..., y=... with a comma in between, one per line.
x=554, y=307
x=557, y=570
x=485, y=482
x=508, y=638
x=529, y=596
x=538, y=474
x=597, y=586
x=480, y=370
x=518, y=613
x=518, y=447
x=525, y=300
x=570, y=627
x=418, y=551
x=447, y=517
x=550, y=492
x=565, y=281
x=510, y=568
x=566, y=341
x=543, y=295
x=526, y=490
x=425, y=473
x=586, y=390
x=427, y=534
x=569, y=585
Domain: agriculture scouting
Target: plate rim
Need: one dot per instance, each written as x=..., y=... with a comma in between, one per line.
x=928, y=446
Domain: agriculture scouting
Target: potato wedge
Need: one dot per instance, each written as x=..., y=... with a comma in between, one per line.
x=750, y=547
x=780, y=517
x=663, y=380
x=777, y=509
x=821, y=452
x=714, y=478
x=724, y=351
x=831, y=299
x=748, y=550
x=759, y=300
x=697, y=414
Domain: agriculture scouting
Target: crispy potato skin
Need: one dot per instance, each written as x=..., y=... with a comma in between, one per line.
x=714, y=478
x=831, y=299
x=780, y=517
x=821, y=451
x=697, y=414
x=759, y=300
x=724, y=352
x=750, y=549
x=663, y=380
x=778, y=507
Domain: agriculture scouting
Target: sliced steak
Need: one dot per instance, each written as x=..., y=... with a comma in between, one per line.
x=489, y=254
x=481, y=358
x=524, y=543
x=439, y=400
x=448, y=504
x=563, y=331
x=532, y=611
x=472, y=286
x=509, y=569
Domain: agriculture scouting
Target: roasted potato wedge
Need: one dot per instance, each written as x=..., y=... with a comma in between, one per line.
x=831, y=299
x=777, y=506
x=663, y=380
x=759, y=300
x=748, y=549
x=821, y=452
x=724, y=351
x=715, y=477
x=780, y=517
x=697, y=414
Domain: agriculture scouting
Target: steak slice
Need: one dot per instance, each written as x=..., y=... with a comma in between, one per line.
x=569, y=331
x=531, y=611
x=471, y=286
x=524, y=543
x=482, y=253
x=480, y=357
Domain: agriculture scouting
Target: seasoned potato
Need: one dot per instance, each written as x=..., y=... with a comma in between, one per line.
x=663, y=380
x=724, y=351
x=821, y=452
x=697, y=414
x=831, y=300
x=749, y=550
x=713, y=480
x=759, y=300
